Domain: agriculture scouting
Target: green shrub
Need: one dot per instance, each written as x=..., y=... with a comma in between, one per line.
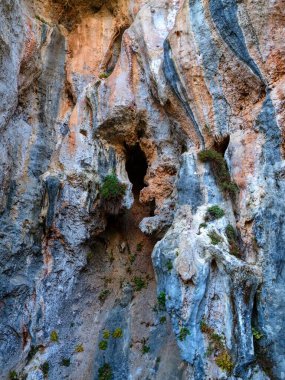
x=105, y=372
x=169, y=265
x=106, y=334
x=220, y=170
x=103, y=345
x=13, y=375
x=79, y=348
x=112, y=188
x=139, y=247
x=224, y=361
x=65, y=362
x=104, y=75
x=162, y=320
x=202, y=225
x=54, y=336
x=161, y=299
x=118, y=333
x=145, y=349
x=256, y=334
x=232, y=239
x=104, y=295
x=215, y=238
x=139, y=283
x=45, y=368
x=214, y=212
x=133, y=258
x=112, y=193
x=183, y=333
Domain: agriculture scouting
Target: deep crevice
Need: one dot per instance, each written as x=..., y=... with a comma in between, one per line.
x=136, y=167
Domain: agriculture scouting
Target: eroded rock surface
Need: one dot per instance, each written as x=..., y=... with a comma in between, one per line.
x=155, y=286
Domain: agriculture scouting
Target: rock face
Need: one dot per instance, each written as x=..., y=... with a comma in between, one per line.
x=182, y=102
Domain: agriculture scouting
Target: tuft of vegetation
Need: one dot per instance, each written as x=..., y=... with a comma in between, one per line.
x=220, y=170
x=161, y=299
x=145, y=349
x=256, y=334
x=133, y=258
x=214, y=212
x=106, y=334
x=13, y=375
x=232, y=239
x=112, y=192
x=105, y=372
x=45, y=368
x=79, y=348
x=183, y=333
x=65, y=362
x=112, y=188
x=104, y=75
x=103, y=345
x=224, y=361
x=104, y=295
x=54, y=336
x=89, y=257
x=215, y=238
x=202, y=225
x=139, y=246
x=139, y=283
x=217, y=347
x=169, y=265
x=162, y=320
x=32, y=352
x=118, y=333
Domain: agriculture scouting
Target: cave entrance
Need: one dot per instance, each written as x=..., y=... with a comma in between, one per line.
x=136, y=167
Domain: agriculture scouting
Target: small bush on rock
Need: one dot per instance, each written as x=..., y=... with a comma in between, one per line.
x=215, y=238
x=223, y=360
x=220, y=170
x=65, y=362
x=183, y=333
x=79, y=348
x=105, y=372
x=214, y=212
x=118, y=333
x=45, y=368
x=103, y=345
x=13, y=375
x=112, y=192
x=54, y=336
x=139, y=283
x=161, y=299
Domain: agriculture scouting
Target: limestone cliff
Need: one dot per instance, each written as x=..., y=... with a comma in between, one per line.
x=180, y=275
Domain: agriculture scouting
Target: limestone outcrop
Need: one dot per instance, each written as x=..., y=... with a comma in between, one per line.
x=177, y=271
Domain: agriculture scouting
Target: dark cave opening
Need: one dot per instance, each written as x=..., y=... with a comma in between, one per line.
x=136, y=167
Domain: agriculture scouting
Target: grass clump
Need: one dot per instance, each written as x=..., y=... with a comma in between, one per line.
x=183, y=333
x=65, y=362
x=54, y=336
x=139, y=283
x=45, y=368
x=256, y=334
x=145, y=349
x=220, y=170
x=104, y=295
x=161, y=299
x=214, y=212
x=106, y=334
x=215, y=238
x=105, y=372
x=118, y=333
x=224, y=361
x=13, y=375
x=79, y=348
x=169, y=265
x=139, y=247
x=162, y=320
x=103, y=345
x=104, y=75
x=232, y=239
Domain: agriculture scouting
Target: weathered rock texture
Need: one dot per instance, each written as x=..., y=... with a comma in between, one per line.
x=139, y=88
